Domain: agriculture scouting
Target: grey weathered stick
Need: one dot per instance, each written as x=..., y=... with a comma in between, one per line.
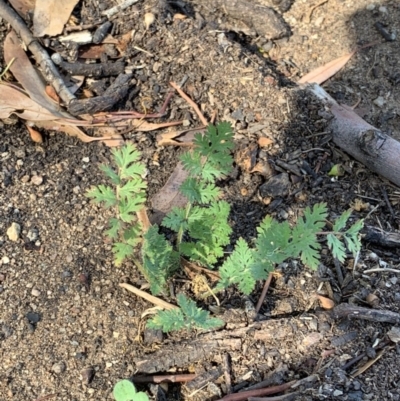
x=358, y=312
x=48, y=69
x=372, y=147
x=120, y=7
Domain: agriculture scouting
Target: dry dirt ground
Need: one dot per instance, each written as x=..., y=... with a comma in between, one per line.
x=63, y=315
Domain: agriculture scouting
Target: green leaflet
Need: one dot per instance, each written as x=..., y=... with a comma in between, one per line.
x=159, y=259
x=188, y=317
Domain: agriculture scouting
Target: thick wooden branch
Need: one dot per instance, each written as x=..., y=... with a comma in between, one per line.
x=369, y=145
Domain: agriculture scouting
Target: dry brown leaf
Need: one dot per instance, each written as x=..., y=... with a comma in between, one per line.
x=36, y=136
x=111, y=136
x=178, y=16
x=169, y=195
x=27, y=75
x=178, y=138
x=143, y=219
x=263, y=141
x=326, y=303
x=15, y=101
x=144, y=126
x=73, y=130
x=50, y=92
x=321, y=74
x=264, y=168
x=23, y=7
x=50, y=16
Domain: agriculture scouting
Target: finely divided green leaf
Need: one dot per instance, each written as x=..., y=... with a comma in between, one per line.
x=341, y=221
x=103, y=193
x=132, y=234
x=126, y=158
x=128, y=206
x=121, y=250
x=237, y=269
x=115, y=226
x=110, y=173
x=176, y=219
x=133, y=187
x=159, y=259
x=188, y=317
x=337, y=248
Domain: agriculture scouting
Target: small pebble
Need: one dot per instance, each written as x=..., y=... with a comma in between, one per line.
x=370, y=7
x=13, y=232
x=379, y=101
x=37, y=180
x=86, y=160
x=58, y=368
x=35, y=292
x=5, y=260
x=383, y=9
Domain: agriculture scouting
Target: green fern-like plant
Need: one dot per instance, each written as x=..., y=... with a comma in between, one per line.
x=202, y=229
x=277, y=242
x=187, y=317
x=127, y=197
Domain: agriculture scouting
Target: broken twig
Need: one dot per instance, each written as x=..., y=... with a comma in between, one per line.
x=48, y=69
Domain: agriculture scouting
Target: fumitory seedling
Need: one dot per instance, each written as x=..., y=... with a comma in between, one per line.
x=202, y=229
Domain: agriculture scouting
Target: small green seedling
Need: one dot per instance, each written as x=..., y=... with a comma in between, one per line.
x=125, y=390
x=203, y=230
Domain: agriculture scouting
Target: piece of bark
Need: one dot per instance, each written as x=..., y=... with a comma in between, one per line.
x=90, y=70
x=199, y=349
x=372, y=315
x=370, y=146
x=379, y=237
x=113, y=94
x=264, y=20
x=203, y=379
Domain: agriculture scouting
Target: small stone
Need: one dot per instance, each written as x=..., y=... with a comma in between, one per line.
x=25, y=179
x=370, y=7
x=58, y=368
x=13, y=232
x=108, y=365
x=156, y=66
x=35, y=292
x=37, y=180
x=379, y=101
x=336, y=393
x=383, y=9
x=5, y=260
x=33, y=317
x=355, y=396
x=32, y=234
x=86, y=160
x=87, y=375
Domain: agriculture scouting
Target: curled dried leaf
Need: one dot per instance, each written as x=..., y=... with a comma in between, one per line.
x=325, y=302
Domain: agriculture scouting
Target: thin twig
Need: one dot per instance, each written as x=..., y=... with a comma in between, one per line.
x=191, y=102
x=120, y=7
x=264, y=293
x=48, y=69
x=284, y=397
x=227, y=373
x=151, y=298
x=244, y=395
x=179, y=378
x=381, y=270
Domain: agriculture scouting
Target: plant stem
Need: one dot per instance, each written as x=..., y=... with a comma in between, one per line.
x=180, y=232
